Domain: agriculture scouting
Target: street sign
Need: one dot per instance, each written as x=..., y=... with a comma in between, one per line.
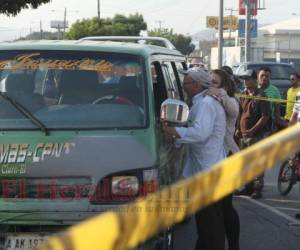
x=253, y=7
x=253, y=25
x=229, y=22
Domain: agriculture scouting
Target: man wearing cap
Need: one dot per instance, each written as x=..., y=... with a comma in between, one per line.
x=204, y=137
x=253, y=124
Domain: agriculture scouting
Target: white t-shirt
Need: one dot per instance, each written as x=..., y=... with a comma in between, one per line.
x=297, y=107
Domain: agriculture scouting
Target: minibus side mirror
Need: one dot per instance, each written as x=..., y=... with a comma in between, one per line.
x=174, y=112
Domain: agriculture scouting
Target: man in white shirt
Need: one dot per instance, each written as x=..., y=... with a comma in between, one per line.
x=204, y=137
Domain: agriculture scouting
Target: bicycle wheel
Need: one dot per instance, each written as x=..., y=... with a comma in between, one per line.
x=286, y=178
x=168, y=244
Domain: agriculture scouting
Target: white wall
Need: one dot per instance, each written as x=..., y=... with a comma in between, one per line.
x=287, y=43
x=231, y=56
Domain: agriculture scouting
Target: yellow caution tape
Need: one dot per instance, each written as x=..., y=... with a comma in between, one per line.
x=268, y=99
x=146, y=217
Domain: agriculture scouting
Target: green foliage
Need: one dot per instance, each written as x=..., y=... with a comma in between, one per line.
x=181, y=42
x=119, y=25
x=13, y=7
x=44, y=35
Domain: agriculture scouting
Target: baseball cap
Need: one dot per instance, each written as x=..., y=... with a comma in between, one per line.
x=198, y=75
x=248, y=74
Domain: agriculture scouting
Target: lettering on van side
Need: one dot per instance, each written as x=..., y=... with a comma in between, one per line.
x=19, y=153
x=13, y=169
x=27, y=61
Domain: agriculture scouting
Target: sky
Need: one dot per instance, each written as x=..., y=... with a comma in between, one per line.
x=187, y=17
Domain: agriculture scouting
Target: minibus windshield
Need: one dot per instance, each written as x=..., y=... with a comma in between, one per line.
x=72, y=89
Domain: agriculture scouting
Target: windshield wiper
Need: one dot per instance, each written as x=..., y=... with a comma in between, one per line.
x=27, y=113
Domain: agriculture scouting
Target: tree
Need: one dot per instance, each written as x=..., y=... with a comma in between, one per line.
x=38, y=36
x=13, y=7
x=182, y=43
x=119, y=25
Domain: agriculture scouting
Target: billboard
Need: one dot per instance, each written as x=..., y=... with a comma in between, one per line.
x=229, y=22
x=59, y=24
x=253, y=26
x=253, y=7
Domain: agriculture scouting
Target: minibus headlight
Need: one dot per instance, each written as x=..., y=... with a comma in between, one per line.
x=125, y=186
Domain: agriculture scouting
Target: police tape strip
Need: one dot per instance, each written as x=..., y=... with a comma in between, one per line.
x=268, y=99
x=146, y=217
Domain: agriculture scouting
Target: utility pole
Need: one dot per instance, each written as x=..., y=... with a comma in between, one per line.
x=65, y=22
x=289, y=47
x=58, y=32
x=41, y=30
x=248, y=31
x=220, y=41
x=98, y=8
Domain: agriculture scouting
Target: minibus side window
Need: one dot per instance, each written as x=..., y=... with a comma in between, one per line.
x=180, y=66
x=172, y=85
x=159, y=87
x=179, y=78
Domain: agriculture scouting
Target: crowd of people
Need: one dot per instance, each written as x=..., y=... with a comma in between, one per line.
x=220, y=124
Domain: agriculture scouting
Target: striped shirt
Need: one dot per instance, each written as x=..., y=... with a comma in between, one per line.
x=291, y=96
x=297, y=107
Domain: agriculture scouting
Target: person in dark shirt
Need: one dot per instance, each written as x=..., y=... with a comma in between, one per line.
x=253, y=125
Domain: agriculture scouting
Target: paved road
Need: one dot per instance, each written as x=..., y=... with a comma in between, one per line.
x=266, y=224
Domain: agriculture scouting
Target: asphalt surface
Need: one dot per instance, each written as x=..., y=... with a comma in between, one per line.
x=266, y=224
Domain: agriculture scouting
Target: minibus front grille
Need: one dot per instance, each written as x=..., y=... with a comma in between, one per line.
x=45, y=188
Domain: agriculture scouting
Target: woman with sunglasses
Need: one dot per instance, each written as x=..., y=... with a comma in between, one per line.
x=223, y=88
x=291, y=95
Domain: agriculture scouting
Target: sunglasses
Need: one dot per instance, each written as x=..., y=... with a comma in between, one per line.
x=292, y=79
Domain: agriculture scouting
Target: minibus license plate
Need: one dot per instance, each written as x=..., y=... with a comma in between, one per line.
x=23, y=241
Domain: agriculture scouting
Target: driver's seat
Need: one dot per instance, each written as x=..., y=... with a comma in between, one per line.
x=130, y=88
